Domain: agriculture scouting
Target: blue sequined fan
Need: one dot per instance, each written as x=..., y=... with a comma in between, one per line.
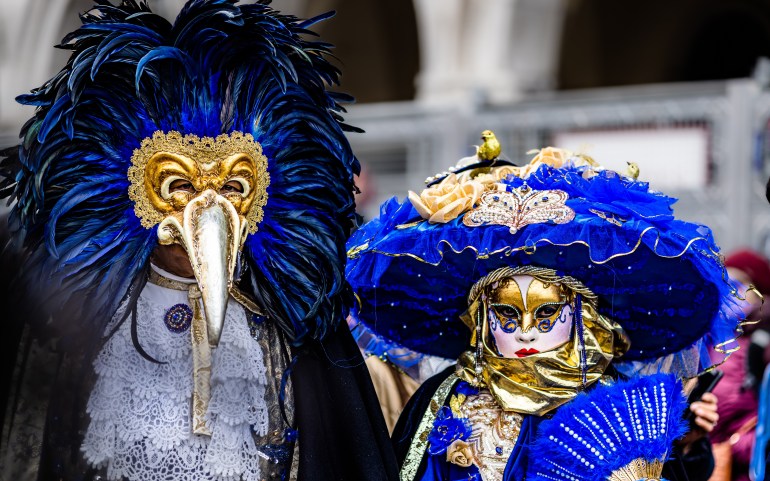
x=626, y=429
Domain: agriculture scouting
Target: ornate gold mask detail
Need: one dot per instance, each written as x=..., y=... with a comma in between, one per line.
x=540, y=382
x=169, y=170
x=538, y=308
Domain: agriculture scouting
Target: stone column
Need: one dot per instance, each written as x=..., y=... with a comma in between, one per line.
x=27, y=58
x=486, y=51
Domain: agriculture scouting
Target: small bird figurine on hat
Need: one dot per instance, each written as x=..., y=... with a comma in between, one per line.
x=633, y=170
x=490, y=149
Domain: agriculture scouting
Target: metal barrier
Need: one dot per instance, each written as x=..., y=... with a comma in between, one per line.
x=405, y=143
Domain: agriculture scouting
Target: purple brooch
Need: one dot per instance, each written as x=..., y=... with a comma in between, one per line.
x=178, y=318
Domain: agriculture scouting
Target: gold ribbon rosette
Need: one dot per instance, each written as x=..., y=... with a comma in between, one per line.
x=447, y=200
x=457, y=193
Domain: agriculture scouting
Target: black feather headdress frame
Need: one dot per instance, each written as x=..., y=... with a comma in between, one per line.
x=221, y=67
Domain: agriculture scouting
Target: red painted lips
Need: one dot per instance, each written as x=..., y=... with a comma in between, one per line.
x=526, y=352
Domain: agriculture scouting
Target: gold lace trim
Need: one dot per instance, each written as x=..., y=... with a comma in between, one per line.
x=420, y=440
x=494, y=432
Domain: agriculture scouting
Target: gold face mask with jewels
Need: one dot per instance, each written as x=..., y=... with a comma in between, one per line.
x=169, y=170
x=538, y=382
x=527, y=316
x=206, y=194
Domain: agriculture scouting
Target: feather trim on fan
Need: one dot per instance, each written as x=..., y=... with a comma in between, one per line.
x=619, y=432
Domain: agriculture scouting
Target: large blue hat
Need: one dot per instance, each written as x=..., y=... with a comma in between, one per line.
x=661, y=278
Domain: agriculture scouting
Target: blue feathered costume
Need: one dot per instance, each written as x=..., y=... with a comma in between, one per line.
x=222, y=74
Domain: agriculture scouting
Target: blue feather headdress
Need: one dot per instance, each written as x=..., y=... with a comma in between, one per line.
x=219, y=68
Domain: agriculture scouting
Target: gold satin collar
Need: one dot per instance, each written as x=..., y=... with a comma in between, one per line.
x=159, y=279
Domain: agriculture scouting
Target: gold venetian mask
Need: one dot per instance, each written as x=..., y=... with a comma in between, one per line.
x=540, y=310
x=527, y=316
x=169, y=170
x=206, y=194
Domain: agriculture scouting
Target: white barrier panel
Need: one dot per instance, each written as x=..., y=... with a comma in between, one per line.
x=675, y=158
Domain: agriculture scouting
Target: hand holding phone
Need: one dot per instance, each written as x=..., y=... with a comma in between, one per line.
x=705, y=384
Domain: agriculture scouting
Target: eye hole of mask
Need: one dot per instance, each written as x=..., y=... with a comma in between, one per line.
x=236, y=185
x=547, y=310
x=176, y=184
x=506, y=311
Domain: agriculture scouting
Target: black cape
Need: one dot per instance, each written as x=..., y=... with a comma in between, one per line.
x=342, y=433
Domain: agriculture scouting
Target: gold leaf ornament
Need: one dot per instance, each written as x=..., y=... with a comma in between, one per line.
x=455, y=404
x=207, y=163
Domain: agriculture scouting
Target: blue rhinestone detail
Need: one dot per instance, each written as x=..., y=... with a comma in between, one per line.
x=255, y=320
x=178, y=318
x=278, y=453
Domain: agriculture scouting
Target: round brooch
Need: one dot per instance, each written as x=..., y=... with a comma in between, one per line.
x=178, y=318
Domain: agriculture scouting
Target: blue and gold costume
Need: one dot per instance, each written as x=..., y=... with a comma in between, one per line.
x=649, y=294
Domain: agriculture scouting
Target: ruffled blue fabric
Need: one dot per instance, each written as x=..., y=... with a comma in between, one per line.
x=373, y=344
x=661, y=278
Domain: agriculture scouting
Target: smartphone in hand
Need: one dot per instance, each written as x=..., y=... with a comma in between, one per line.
x=706, y=383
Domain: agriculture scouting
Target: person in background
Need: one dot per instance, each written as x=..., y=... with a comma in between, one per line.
x=737, y=392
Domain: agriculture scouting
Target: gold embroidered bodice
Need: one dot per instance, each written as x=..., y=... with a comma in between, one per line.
x=494, y=433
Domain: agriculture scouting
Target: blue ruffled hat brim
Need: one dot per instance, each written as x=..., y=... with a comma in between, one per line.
x=662, y=279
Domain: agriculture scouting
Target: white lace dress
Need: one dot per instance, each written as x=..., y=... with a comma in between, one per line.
x=140, y=411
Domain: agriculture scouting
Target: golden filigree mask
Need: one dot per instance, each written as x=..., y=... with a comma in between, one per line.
x=527, y=316
x=169, y=170
x=206, y=194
